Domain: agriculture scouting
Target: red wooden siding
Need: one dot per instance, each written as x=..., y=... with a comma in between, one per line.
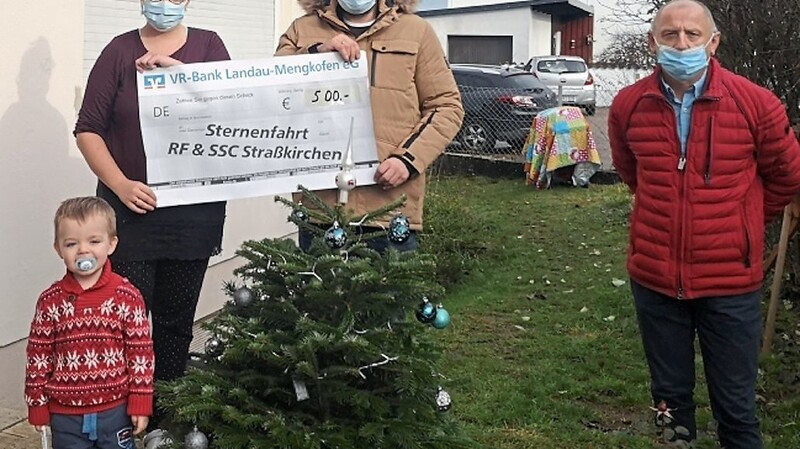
x=577, y=36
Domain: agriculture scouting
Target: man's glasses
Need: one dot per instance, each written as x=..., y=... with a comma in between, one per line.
x=174, y=2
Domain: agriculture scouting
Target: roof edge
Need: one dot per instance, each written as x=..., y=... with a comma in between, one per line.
x=545, y=6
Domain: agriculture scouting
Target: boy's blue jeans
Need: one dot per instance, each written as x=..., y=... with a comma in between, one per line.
x=110, y=429
x=729, y=331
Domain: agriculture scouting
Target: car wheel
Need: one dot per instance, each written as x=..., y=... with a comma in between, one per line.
x=590, y=109
x=475, y=137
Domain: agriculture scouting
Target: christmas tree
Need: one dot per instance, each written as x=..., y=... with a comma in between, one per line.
x=330, y=348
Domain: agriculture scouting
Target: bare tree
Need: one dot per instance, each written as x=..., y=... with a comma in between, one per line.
x=628, y=49
x=631, y=13
x=760, y=40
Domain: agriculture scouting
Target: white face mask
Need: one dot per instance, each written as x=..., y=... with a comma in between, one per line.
x=356, y=7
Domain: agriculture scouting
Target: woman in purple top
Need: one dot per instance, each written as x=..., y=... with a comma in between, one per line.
x=163, y=251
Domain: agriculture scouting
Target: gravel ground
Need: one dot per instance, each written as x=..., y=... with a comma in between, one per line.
x=599, y=123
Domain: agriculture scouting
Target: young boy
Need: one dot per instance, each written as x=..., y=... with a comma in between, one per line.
x=89, y=374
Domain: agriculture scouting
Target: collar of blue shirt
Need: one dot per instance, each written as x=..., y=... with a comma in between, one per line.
x=696, y=90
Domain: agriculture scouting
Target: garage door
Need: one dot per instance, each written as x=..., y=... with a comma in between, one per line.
x=480, y=49
x=246, y=26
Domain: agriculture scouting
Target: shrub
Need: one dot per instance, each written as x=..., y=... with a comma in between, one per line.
x=454, y=236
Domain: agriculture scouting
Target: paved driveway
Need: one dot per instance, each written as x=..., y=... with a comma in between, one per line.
x=599, y=123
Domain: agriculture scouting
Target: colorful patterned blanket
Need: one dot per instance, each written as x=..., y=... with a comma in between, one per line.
x=560, y=138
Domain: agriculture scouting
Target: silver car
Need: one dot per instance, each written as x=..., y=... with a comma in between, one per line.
x=571, y=74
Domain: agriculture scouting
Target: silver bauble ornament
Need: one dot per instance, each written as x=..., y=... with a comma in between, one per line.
x=443, y=401
x=214, y=347
x=243, y=297
x=156, y=438
x=195, y=440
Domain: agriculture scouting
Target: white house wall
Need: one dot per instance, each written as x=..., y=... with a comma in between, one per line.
x=541, y=35
x=463, y=3
x=246, y=26
x=530, y=30
x=41, y=87
x=285, y=13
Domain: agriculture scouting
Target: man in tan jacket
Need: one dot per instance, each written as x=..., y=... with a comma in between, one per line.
x=416, y=105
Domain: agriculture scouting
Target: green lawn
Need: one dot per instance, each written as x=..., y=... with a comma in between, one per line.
x=544, y=349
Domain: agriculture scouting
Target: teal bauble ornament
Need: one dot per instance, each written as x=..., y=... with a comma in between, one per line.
x=399, y=229
x=335, y=236
x=426, y=311
x=442, y=318
x=299, y=216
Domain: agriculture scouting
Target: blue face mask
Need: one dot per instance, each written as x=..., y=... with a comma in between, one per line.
x=683, y=64
x=356, y=7
x=163, y=15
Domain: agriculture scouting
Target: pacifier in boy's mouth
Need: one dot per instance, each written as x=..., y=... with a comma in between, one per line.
x=86, y=263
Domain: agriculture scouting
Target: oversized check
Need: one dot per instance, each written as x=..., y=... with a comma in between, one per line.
x=237, y=129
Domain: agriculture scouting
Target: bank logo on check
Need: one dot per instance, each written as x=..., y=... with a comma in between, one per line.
x=155, y=81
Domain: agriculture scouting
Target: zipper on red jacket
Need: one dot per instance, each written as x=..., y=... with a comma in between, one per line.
x=681, y=194
x=710, y=149
x=746, y=241
x=682, y=191
x=681, y=202
x=681, y=226
x=747, y=248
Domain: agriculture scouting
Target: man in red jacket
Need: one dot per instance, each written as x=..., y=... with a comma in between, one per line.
x=710, y=158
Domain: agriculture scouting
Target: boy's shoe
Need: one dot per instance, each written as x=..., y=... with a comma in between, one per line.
x=156, y=438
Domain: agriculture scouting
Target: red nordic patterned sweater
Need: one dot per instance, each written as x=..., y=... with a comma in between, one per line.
x=89, y=350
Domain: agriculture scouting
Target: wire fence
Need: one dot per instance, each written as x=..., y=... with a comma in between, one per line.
x=497, y=121
x=609, y=81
